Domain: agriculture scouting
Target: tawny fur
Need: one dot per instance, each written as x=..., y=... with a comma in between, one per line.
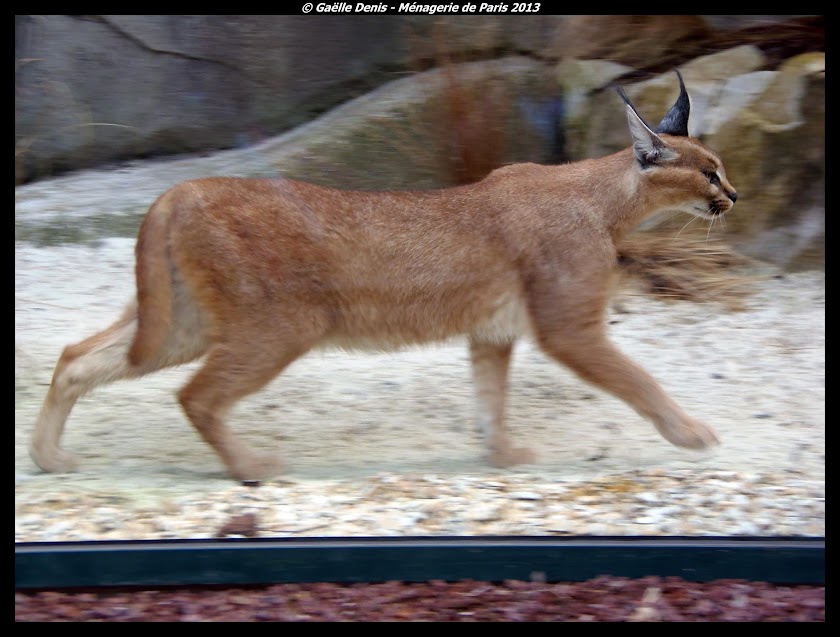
x=252, y=273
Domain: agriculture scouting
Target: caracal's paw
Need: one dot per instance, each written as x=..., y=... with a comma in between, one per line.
x=512, y=456
x=257, y=466
x=691, y=434
x=53, y=459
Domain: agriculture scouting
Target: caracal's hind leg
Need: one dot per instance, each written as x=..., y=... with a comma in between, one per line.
x=98, y=360
x=490, y=363
x=232, y=370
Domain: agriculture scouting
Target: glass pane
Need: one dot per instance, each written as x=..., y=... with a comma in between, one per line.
x=389, y=442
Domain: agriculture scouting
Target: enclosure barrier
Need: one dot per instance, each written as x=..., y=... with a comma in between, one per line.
x=247, y=561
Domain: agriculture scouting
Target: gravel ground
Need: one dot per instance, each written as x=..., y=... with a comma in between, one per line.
x=610, y=599
x=385, y=445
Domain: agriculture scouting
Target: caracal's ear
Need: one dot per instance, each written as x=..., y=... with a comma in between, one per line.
x=676, y=120
x=650, y=148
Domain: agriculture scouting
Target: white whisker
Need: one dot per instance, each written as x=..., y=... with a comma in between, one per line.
x=690, y=221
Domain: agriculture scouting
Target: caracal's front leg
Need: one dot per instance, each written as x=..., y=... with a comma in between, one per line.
x=599, y=362
x=596, y=360
x=571, y=329
x=490, y=363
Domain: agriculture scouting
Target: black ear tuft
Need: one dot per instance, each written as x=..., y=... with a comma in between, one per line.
x=649, y=148
x=627, y=102
x=675, y=121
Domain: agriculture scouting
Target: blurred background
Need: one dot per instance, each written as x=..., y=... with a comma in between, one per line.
x=380, y=102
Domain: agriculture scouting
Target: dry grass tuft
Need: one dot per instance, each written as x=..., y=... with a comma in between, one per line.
x=692, y=268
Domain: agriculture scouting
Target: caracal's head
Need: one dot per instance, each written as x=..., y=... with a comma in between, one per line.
x=687, y=175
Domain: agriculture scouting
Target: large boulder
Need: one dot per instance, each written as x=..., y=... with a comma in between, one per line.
x=408, y=134
x=398, y=136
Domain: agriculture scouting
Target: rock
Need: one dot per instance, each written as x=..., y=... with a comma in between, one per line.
x=190, y=83
x=245, y=524
x=774, y=148
x=632, y=40
x=97, y=88
x=768, y=126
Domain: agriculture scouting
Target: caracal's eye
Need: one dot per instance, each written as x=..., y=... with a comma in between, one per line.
x=712, y=177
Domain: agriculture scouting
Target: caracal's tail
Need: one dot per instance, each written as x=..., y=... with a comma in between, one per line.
x=154, y=283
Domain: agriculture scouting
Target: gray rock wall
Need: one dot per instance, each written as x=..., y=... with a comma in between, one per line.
x=91, y=89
